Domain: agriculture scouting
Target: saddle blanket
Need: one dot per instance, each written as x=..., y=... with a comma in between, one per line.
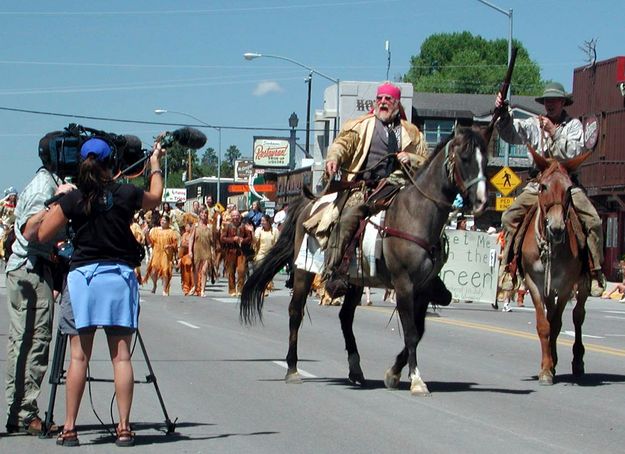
x=311, y=257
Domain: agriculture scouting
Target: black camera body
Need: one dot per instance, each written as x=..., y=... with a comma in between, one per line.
x=60, y=150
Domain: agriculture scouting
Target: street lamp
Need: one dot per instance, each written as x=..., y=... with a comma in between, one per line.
x=509, y=95
x=218, y=128
x=253, y=55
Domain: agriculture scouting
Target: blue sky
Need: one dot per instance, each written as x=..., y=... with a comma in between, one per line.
x=123, y=59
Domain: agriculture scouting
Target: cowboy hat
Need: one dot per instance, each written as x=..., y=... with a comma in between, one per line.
x=555, y=90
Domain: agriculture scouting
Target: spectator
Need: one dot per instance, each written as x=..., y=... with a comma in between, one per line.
x=255, y=214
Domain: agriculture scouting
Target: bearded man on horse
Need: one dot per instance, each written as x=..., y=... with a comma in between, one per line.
x=374, y=152
x=558, y=136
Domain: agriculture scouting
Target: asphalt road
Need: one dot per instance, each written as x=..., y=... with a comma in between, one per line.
x=223, y=383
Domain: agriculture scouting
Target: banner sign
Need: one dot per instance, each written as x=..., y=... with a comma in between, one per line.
x=174, y=195
x=272, y=152
x=472, y=268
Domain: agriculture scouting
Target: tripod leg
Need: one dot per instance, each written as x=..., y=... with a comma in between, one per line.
x=56, y=378
x=171, y=426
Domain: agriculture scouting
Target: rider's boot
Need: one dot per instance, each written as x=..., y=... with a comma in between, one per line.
x=597, y=283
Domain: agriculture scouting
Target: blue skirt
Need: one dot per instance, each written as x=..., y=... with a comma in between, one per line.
x=104, y=294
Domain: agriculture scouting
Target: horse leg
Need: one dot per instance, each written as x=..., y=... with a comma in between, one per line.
x=579, y=314
x=417, y=385
x=301, y=287
x=346, y=316
x=393, y=374
x=545, y=376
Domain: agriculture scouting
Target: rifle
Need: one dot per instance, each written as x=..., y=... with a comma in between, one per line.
x=503, y=90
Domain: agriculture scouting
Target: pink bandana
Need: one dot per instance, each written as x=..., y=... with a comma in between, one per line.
x=389, y=89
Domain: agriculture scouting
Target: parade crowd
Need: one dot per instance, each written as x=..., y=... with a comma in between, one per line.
x=204, y=242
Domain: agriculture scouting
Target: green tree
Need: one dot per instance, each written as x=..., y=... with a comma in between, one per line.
x=463, y=63
x=208, y=163
x=227, y=164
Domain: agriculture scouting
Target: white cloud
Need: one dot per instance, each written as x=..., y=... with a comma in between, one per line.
x=267, y=86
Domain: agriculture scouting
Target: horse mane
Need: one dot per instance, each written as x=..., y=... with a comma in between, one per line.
x=473, y=138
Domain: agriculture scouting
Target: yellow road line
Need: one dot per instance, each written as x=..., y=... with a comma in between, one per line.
x=510, y=332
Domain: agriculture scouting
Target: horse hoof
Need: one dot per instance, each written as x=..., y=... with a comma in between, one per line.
x=357, y=379
x=293, y=378
x=391, y=380
x=545, y=379
x=418, y=388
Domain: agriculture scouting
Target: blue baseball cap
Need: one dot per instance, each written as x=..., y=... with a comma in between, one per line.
x=97, y=147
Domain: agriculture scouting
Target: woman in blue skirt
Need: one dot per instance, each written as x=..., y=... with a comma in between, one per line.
x=101, y=284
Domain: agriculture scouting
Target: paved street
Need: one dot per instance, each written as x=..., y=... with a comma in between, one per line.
x=224, y=383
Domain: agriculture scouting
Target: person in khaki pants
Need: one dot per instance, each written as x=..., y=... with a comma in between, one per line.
x=236, y=240
x=30, y=299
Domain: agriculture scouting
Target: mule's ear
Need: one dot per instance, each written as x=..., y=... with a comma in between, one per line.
x=540, y=162
x=572, y=164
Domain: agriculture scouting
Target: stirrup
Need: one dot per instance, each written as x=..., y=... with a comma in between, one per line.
x=336, y=286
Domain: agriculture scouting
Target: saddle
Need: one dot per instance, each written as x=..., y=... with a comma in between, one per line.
x=575, y=235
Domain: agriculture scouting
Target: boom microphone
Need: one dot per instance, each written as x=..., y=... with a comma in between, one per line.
x=186, y=137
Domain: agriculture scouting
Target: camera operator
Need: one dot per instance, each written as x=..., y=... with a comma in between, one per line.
x=30, y=301
x=102, y=285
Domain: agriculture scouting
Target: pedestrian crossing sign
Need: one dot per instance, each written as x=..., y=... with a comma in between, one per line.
x=505, y=181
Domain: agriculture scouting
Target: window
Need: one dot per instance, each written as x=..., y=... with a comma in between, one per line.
x=437, y=130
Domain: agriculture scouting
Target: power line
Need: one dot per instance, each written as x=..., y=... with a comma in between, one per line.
x=145, y=122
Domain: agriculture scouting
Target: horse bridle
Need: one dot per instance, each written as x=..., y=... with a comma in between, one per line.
x=454, y=174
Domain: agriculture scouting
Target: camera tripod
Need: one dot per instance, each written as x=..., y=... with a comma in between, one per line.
x=57, y=377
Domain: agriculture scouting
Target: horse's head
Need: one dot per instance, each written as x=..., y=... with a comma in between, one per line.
x=554, y=193
x=467, y=156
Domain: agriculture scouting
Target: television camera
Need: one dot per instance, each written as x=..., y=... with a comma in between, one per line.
x=60, y=150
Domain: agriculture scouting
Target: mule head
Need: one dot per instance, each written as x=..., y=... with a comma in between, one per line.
x=467, y=152
x=554, y=200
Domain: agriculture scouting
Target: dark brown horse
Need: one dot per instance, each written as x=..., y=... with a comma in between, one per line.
x=411, y=258
x=553, y=263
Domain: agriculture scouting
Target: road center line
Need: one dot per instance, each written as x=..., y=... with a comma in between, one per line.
x=188, y=324
x=572, y=334
x=303, y=373
x=614, y=317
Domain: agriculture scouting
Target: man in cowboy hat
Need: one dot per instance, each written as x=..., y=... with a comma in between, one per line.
x=554, y=135
x=361, y=145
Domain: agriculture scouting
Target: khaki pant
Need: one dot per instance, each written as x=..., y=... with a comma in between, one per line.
x=588, y=216
x=31, y=307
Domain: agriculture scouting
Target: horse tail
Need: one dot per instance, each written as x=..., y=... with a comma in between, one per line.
x=252, y=295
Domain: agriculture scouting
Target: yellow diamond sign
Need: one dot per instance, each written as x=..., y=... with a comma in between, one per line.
x=505, y=180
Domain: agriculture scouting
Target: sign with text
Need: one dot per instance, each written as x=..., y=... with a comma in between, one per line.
x=243, y=169
x=472, y=267
x=505, y=180
x=502, y=203
x=272, y=152
x=174, y=195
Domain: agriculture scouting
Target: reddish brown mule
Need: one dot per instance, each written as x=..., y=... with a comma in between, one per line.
x=553, y=263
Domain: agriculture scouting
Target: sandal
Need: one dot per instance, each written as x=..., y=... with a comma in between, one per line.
x=68, y=438
x=124, y=438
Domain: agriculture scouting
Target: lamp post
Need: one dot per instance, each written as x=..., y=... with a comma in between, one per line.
x=293, y=122
x=253, y=55
x=218, y=128
x=509, y=95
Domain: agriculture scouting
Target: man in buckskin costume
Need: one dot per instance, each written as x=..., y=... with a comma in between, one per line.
x=359, y=150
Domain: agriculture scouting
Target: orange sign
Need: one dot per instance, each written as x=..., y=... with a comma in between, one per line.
x=245, y=187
